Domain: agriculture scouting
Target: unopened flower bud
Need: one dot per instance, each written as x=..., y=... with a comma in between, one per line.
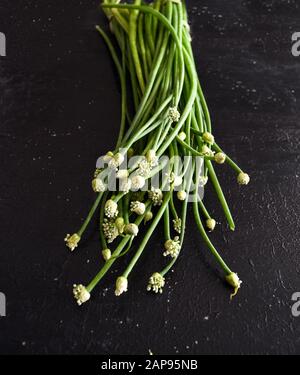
x=121, y=285
x=206, y=151
x=130, y=152
x=235, y=282
x=211, y=224
x=131, y=229
x=138, y=208
x=106, y=253
x=107, y=158
x=120, y=224
x=148, y=216
x=208, y=138
x=243, y=179
x=137, y=182
x=98, y=185
x=220, y=158
x=181, y=195
x=182, y=136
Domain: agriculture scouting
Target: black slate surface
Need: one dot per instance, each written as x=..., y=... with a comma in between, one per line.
x=59, y=110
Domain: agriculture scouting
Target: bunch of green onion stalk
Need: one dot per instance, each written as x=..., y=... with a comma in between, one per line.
x=164, y=115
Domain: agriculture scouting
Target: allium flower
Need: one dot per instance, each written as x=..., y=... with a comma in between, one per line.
x=174, y=114
x=211, y=224
x=220, y=158
x=145, y=168
x=98, y=185
x=208, y=138
x=119, y=222
x=177, y=224
x=137, y=182
x=111, y=209
x=206, y=151
x=156, y=196
x=181, y=195
x=152, y=159
x=235, y=282
x=182, y=136
x=72, y=241
x=110, y=230
x=131, y=229
x=156, y=283
x=172, y=247
x=148, y=216
x=203, y=180
x=137, y=207
x=243, y=179
x=116, y=161
x=81, y=294
x=121, y=285
x=106, y=253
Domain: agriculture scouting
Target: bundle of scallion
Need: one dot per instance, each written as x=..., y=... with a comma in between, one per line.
x=165, y=153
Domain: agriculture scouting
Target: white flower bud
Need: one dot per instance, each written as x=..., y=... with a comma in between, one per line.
x=203, y=180
x=182, y=136
x=131, y=229
x=111, y=209
x=181, y=195
x=81, y=294
x=106, y=253
x=121, y=285
x=138, y=208
x=177, y=181
x=220, y=158
x=208, y=138
x=98, y=185
x=243, y=179
x=107, y=158
x=137, y=182
x=206, y=151
x=120, y=224
x=72, y=241
x=211, y=224
x=148, y=216
x=235, y=282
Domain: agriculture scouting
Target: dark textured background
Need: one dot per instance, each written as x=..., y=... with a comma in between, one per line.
x=59, y=110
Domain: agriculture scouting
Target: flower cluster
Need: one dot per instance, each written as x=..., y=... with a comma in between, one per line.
x=177, y=224
x=111, y=209
x=174, y=114
x=72, y=241
x=81, y=294
x=172, y=248
x=138, y=208
x=156, y=196
x=110, y=230
x=156, y=283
